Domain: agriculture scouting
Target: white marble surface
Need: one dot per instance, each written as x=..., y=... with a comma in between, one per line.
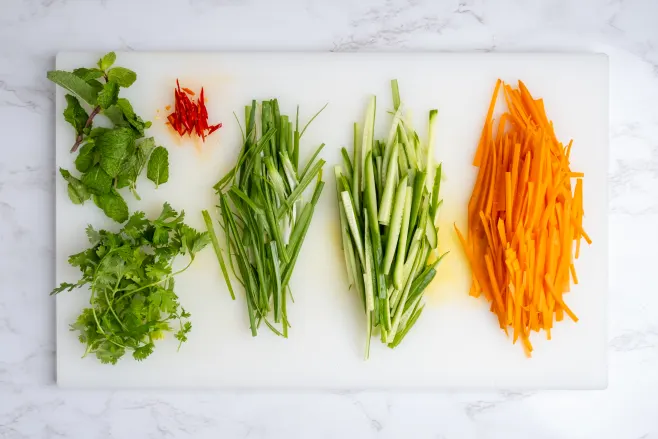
x=32, y=31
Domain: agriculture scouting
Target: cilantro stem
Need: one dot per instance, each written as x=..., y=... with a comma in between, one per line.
x=90, y=119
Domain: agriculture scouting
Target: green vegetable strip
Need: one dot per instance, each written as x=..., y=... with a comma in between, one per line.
x=368, y=135
x=395, y=226
x=263, y=214
x=396, y=93
x=352, y=222
x=388, y=196
x=434, y=205
x=401, y=251
x=301, y=187
x=389, y=188
x=429, y=160
x=371, y=203
x=356, y=169
x=419, y=187
x=399, y=307
x=347, y=163
x=218, y=250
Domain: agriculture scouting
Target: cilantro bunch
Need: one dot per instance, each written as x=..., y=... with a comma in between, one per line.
x=131, y=279
x=109, y=158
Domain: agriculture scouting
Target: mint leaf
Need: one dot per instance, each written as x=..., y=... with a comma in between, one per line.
x=96, y=85
x=128, y=172
x=86, y=157
x=115, y=114
x=122, y=76
x=113, y=205
x=130, y=117
x=158, y=166
x=87, y=74
x=77, y=191
x=144, y=150
x=74, y=84
x=97, y=180
x=75, y=114
x=106, y=61
x=112, y=146
x=109, y=95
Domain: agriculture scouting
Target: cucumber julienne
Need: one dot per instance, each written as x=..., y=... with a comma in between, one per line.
x=263, y=214
x=388, y=197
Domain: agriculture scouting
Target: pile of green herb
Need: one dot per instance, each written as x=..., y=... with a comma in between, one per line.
x=388, y=196
x=263, y=213
x=131, y=279
x=109, y=158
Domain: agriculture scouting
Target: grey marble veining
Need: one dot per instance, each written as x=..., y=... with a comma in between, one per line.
x=32, y=31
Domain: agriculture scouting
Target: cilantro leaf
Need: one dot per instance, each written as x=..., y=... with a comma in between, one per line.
x=158, y=166
x=133, y=301
x=136, y=225
x=113, y=205
x=109, y=95
x=64, y=286
x=75, y=114
x=142, y=352
x=93, y=235
x=77, y=191
x=97, y=180
x=122, y=76
x=112, y=146
x=106, y=61
x=74, y=84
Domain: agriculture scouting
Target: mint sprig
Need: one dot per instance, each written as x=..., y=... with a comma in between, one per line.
x=109, y=158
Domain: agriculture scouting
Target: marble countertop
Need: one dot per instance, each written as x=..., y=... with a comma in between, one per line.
x=32, y=31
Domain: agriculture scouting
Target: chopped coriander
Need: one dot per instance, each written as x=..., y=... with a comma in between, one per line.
x=130, y=275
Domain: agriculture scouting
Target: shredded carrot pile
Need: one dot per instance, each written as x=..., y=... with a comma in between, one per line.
x=525, y=218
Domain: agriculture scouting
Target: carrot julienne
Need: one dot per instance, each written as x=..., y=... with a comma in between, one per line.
x=525, y=218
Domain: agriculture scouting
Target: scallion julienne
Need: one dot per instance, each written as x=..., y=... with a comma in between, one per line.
x=263, y=213
x=388, y=198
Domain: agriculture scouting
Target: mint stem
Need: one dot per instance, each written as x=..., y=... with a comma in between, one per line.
x=90, y=119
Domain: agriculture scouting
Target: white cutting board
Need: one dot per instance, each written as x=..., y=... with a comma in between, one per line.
x=457, y=342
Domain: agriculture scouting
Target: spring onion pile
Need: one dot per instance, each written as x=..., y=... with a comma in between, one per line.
x=263, y=212
x=388, y=196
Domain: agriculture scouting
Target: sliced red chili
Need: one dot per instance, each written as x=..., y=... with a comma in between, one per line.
x=189, y=116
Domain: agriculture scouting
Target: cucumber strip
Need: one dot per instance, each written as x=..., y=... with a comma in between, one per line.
x=354, y=227
x=368, y=134
x=429, y=159
x=402, y=242
x=434, y=205
x=399, y=307
x=371, y=203
x=356, y=170
x=389, y=188
x=431, y=233
x=409, y=149
x=419, y=188
x=367, y=275
x=395, y=226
